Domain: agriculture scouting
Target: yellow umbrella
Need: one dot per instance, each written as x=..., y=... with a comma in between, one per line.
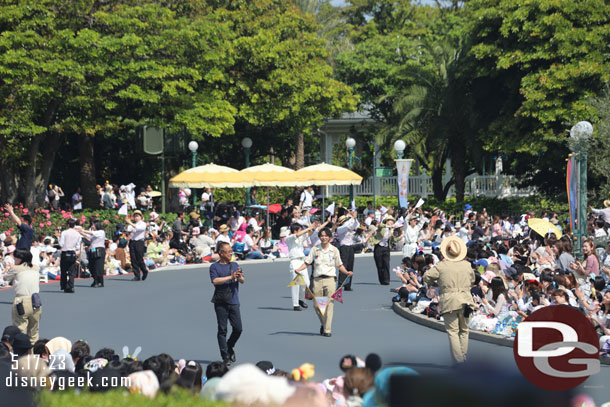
x=204, y=176
x=266, y=175
x=326, y=174
x=542, y=227
x=154, y=194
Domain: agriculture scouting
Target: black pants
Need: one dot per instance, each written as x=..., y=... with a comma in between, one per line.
x=96, y=265
x=347, y=257
x=67, y=265
x=382, y=261
x=136, y=251
x=224, y=313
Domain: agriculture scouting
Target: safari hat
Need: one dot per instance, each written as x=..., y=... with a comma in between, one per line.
x=137, y=212
x=607, y=203
x=342, y=219
x=223, y=228
x=389, y=218
x=453, y=248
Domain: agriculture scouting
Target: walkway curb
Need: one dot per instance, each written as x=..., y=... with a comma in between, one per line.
x=476, y=335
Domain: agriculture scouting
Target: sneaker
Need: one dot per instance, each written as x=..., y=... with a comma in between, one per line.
x=297, y=308
x=327, y=334
x=135, y=279
x=232, y=357
x=396, y=299
x=302, y=304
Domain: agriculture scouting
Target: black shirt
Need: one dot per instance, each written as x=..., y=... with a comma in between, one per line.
x=27, y=235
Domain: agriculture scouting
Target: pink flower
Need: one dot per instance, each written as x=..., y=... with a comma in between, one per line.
x=48, y=216
x=8, y=233
x=49, y=223
x=62, y=212
x=115, y=216
x=106, y=222
x=42, y=225
x=82, y=219
x=65, y=215
x=25, y=210
x=6, y=214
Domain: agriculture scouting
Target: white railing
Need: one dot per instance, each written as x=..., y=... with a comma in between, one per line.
x=500, y=186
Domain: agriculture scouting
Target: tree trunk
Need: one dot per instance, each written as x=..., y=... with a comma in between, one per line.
x=31, y=174
x=437, y=184
x=8, y=182
x=87, y=171
x=458, y=161
x=300, y=151
x=52, y=144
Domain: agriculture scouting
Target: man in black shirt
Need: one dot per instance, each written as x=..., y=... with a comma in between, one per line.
x=479, y=230
x=27, y=233
x=178, y=232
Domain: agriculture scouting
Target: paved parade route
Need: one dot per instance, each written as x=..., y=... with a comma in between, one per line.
x=171, y=312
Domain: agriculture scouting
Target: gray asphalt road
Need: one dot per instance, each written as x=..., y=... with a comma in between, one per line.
x=171, y=312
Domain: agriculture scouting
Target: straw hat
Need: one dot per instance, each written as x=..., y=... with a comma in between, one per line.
x=387, y=218
x=342, y=219
x=453, y=248
x=607, y=203
x=223, y=228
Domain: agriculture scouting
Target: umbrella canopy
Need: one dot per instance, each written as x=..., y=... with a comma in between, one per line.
x=542, y=227
x=266, y=175
x=155, y=194
x=326, y=174
x=204, y=176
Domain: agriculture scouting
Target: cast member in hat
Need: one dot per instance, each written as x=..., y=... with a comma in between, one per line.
x=345, y=234
x=326, y=260
x=455, y=277
x=382, y=240
x=70, y=242
x=414, y=224
x=27, y=308
x=137, y=248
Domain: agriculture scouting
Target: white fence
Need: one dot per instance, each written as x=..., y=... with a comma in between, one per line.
x=500, y=186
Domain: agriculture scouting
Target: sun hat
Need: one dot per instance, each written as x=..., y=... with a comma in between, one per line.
x=196, y=231
x=458, y=225
x=61, y=360
x=194, y=215
x=247, y=385
x=529, y=277
x=284, y=231
x=467, y=207
x=137, y=212
x=57, y=343
x=212, y=231
x=10, y=249
x=607, y=203
x=154, y=216
x=453, y=248
x=342, y=219
x=387, y=218
x=144, y=382
x=379, y=396
x=223, y=228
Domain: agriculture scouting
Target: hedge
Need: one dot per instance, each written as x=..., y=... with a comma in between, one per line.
x=120, y=398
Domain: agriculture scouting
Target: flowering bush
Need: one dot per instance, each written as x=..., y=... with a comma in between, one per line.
x=45, y=221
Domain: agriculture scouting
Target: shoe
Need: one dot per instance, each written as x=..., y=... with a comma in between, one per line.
x=232, y=357
x=327, y=334
x=302, y=304
x=135, y=279
x=396, y=299
x=384, y=283
x=297, y=308
x=69, y=291
x=227, y=362
x=321, y=330
x=144, y=276
x=394, y=290
x=94, y=284
x=100, y=285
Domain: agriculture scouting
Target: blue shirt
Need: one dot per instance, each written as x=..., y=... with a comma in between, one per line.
x=223, y=270
x=26, y=238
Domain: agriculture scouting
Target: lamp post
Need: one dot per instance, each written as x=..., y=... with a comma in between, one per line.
x=402, y=173
x=193, y=146
x=400, y=146
x=246, y=143
x=579, y=144
x=350, y=143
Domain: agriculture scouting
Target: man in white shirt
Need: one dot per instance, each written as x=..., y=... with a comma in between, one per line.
x=307, y=198
x=412, y=228
x=137, y=248
x=462, y=232
x=345, y=234
x=70, y=241
x=250, y=242
x=295, y=239
x=77, y=201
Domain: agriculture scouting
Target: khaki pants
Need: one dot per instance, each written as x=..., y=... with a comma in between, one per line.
x=457, y=329
x=28, y=322
x=325, y=287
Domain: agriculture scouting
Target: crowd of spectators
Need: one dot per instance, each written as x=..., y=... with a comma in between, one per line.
x=57, y=365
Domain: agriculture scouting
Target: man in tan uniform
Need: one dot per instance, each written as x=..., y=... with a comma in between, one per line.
x=455, y=278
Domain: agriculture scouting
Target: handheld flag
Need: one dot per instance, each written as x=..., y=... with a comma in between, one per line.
x=338, y=295
x=123, y=210
x=322, y=303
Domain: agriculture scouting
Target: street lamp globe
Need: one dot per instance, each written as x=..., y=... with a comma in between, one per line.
x=193, y=146
x=350, y=142
x=246, y=142
x=400, y=146
x=581, y=131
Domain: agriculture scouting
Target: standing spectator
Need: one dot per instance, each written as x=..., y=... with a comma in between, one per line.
x=26, y=306
x=106, y=198
x=59, y=193
x=70, y=242
x=137, y=247
x=207, y=203
x=381, y=241
x=178, y=232
x=307, y=198
x=226, y=277
x=97, y=252
x=326, y=260
x=604, y=213
x=23, y=224
x=77, y=201
x=345, y=234
x=50, y=196
x=455, y=277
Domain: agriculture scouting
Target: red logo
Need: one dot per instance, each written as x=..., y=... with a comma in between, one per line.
x=556, y=348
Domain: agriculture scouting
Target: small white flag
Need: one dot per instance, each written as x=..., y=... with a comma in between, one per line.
x=353, y=204
x=419, y=203
x=123, y=210
x=331, y=208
